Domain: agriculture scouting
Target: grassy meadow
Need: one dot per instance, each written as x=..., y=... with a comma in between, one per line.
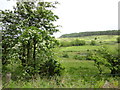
x=88, y=38
x=79, y=72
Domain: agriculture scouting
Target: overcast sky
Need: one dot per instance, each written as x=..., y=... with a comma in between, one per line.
x=82, y=15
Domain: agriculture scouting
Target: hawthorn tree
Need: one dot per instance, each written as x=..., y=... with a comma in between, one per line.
x=27, y=37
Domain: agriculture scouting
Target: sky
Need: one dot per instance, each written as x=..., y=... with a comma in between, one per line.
x=81, y=15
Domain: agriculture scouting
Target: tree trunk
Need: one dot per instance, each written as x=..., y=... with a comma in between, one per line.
x=34, y=52
x=28, y=52
x=113, y=72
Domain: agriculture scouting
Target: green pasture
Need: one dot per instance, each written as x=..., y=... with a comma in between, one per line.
x=99, y=39
x=79, y=48
x=89, y=38
x=78, y=74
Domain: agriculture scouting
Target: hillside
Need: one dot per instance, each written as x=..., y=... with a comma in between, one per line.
x=81, y=34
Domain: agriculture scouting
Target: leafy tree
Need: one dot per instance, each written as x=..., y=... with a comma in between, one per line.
x=27, y=35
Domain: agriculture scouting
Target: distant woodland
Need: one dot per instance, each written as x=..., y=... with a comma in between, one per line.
x=81, y=34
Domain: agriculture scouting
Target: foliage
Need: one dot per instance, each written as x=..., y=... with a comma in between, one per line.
x=88, y=56
x=95, y=38
x=51, y=68
x=118, y=40
x=65, y=55
x=107, y=58
x=27, y=39
x=100, y=42
x=65, y=44
x=76, y=42
x=93, y=42
x=79, y=57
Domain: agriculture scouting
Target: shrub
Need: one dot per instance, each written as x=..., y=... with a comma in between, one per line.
x=50, y=68
x=79, y=57
x=88, y=56
x=65, y=44
x=118, y=40
x=65, y=55
x=95, y=38
x=100, y=42
x=78, y=42
x=92, y=42
x=108, y=58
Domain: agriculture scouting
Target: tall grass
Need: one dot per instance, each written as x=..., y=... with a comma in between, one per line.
x=79, y=74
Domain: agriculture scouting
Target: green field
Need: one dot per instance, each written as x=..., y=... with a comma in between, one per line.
x=78, y=73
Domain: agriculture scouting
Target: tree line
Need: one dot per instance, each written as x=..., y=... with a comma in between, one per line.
x=81, y=34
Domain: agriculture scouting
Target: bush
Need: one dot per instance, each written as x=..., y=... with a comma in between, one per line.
x=51, y=68
x=78, y=57
x=118, y=40
x=65, y=44
x=100, y=42
x=108, y=58
x=78, y=42
x=92, y=42
x=88, y=56
x=95, y=38
x=65, y=55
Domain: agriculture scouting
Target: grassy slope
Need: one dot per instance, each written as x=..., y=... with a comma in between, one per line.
x=88, y=38
x=78, y=68
x=81, y=64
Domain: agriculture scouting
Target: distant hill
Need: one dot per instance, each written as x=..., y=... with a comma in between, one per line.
x=81, y=34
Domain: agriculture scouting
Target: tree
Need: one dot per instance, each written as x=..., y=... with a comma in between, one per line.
x=27, y=35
